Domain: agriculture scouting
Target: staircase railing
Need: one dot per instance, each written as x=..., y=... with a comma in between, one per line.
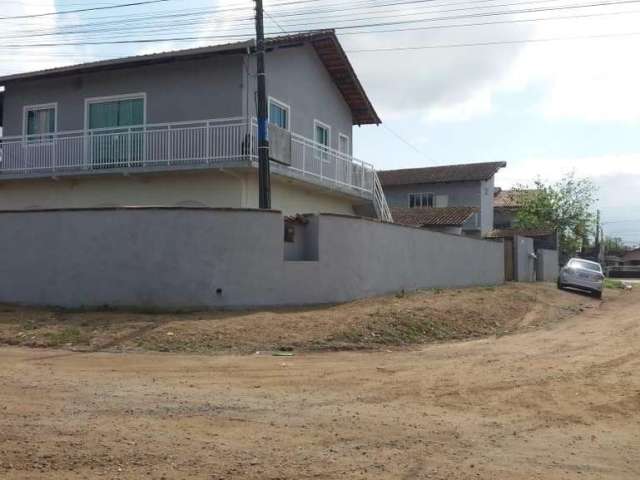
x=380, y=200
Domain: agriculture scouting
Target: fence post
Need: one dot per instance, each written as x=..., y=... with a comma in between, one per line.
x=129, y=141
x=208, y=140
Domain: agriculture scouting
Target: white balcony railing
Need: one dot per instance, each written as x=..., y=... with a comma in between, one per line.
x=175, y=145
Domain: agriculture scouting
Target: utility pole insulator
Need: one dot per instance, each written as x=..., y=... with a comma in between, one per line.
x=264, y=168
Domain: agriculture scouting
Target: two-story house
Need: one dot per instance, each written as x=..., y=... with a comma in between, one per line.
x=453, y=198
x=506, y=204
x=178, y=129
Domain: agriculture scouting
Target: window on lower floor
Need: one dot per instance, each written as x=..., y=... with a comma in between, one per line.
x=40, y=120
x=421, y=200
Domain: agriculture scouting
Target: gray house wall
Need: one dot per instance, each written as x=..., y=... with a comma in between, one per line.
x=179, y=91
x=191, y=258
x=486, y=205
x=504, y=217
x=215, y=87
x=297, y=77
x=460, y=194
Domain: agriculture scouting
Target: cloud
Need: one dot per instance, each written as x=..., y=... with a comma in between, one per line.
x=592, y=80
x=20, y=60
x=444, y=84
x=525, y=171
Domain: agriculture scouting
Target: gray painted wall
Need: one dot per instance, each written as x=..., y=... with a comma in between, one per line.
x=217, y=87
x=179, y=91
x=524, y=263
x=460, y=194
x=486, y=205
x=504, y=218
x=547, y=265
x=170, y=258
x=298, y=78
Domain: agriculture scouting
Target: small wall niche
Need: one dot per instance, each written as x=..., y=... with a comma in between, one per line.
x=301, y=238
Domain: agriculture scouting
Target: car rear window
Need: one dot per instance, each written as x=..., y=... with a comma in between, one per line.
x=587, y=265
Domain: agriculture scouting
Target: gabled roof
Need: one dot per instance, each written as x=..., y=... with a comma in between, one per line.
x=632, y=255
x=325, y=43
x=426, y=217
x=511, y=198
x=469, y=172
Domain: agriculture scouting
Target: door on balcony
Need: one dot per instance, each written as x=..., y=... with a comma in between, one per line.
x=116, y=138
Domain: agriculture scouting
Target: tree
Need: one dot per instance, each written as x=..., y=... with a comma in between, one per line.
x=565, y=207
x=614, y=246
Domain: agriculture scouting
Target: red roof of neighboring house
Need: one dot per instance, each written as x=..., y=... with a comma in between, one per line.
x=632, y=255
x=523, y=232
x=324, y=42
x=424, y=217
x=511, y=198
x=448, y=173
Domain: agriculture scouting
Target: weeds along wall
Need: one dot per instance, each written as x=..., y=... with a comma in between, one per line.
x=207, y=258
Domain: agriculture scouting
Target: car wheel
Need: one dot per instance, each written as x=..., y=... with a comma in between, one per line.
x=560, y=285
x=598, y=295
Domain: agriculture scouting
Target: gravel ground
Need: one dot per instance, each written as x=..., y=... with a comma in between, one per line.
x=559, y=401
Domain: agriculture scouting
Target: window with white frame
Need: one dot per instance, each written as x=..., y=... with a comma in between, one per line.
x=279, y=114
x=343, y=144
x=39, y=120
x=421, y=200
x=322, y=133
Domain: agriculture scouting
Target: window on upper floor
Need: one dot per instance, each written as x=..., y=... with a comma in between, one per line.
x=321, y=133
x=421, y=200
x=39, y=120
x=279, y=114
x=344, y=144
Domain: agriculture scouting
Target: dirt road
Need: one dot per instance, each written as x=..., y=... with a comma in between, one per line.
x=561, y=402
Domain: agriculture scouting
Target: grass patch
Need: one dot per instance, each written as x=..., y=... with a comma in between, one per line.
x=611, y=283
x=67, y=336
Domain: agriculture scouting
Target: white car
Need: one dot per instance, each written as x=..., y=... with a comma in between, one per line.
x=582, y=274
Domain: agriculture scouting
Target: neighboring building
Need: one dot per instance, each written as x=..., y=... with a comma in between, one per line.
x=445, y=219
x=467, y=185
x=505, y=206
x=178, y=129
x=543, y=238
x=632, y=258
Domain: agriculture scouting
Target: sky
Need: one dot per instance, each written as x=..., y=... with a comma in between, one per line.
x=560, y=103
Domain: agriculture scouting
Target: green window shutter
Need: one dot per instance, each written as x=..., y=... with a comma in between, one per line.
x=130, y=112
x=103, y=115
x=41, y=121
x=121, y=113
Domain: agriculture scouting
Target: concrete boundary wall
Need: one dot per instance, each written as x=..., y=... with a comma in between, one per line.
x=201, y=257
x=547, y=265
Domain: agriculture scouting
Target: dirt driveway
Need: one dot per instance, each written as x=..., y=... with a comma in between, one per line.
x=562, y=402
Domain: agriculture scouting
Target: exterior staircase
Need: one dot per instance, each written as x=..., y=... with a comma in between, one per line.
x=380, y=201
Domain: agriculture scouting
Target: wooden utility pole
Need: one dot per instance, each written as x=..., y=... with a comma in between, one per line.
x=264, y=173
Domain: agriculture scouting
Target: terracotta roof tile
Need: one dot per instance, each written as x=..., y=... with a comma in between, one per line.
x=449, y=173
x=633, y=255
x=511, y=198
x=423, y=217
x=523, y=232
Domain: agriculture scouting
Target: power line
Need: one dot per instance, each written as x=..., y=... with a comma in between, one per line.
x=497, y=42
x=191, y=38
x=405, y=141
x=90, y=9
